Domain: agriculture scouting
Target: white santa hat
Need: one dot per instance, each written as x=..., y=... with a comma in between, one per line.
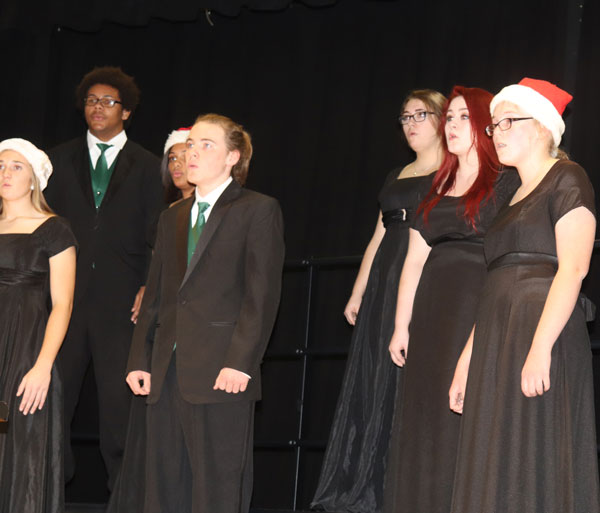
x=540, y=99
x=39, y=161
x=178, y=136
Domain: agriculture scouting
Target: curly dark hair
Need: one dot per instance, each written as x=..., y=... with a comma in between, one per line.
x=129, y=92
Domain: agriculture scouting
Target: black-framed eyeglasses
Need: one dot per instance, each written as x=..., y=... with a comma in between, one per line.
x=503, y=124
x=417, y=117
x=90, y=101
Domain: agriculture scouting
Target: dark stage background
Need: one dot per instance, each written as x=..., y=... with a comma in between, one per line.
x=319, y=85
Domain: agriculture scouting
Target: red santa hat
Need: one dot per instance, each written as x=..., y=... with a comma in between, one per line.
x=540, y=99
x=178, y=136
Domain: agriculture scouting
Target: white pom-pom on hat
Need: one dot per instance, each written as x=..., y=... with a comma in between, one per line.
x=178, y=136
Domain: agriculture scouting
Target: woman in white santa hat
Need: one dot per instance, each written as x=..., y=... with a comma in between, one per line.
x=37, y=279
x=528, y=441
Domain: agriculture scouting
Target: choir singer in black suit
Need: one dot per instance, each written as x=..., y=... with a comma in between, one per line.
x=210, y=304
x=109, y=189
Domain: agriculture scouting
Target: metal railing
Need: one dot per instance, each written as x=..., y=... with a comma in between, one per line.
x=312, y=266
x=307, y=350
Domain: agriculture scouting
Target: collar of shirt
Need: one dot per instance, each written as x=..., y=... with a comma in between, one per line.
x=117, y=142
x=211, y=198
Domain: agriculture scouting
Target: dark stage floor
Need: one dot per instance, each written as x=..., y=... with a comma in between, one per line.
x=99, y=508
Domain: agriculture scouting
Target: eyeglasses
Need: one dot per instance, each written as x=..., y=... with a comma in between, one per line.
x=417, y=117
x=90, y=101
x=503, y=124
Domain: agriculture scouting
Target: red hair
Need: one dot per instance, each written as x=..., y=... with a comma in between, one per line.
x=478, y=103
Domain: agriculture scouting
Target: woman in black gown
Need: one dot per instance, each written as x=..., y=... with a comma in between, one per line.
x=528, y=441
x=127, y=495
x=353, y=469
x=37, y=263
x=437, y=299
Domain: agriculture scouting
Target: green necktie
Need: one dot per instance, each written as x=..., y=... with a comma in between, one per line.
x=195, y=231
x=101, y=175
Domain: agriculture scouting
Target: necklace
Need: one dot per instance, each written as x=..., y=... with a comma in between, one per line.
x=408, y=170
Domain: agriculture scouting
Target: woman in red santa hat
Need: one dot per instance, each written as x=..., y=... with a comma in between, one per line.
x=173, y=171
x=528, y=441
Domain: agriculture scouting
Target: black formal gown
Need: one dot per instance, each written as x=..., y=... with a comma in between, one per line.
x=425, y=432
x=31, y=457
x=128, y=493
x=353, y=470
x=519, y=454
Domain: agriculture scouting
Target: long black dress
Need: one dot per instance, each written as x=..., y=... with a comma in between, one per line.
x=352, y=475
x=31, y=458
x=519, y=454
x=425, y=433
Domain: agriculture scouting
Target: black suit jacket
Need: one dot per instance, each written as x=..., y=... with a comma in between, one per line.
x=115, y=242
x=220, y=309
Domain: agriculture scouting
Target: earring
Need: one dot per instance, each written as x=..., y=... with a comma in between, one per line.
x=31, y=187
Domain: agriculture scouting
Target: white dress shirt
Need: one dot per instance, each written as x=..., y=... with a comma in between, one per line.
x=211, y=198
x=117, y=143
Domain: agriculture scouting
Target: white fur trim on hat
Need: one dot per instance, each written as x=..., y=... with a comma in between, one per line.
x=534, y=104
x=176, y=137
x=42, y=167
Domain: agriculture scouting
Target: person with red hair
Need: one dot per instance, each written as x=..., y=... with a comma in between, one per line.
x=528, y=442
x=437, y=299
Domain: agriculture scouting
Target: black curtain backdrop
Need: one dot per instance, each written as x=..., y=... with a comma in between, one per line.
x=318, y=88
x=318, y=84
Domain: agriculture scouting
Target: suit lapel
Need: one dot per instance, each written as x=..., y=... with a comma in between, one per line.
x=122, y=168
x=182, y=225
x=81, y=165
x=216, y=216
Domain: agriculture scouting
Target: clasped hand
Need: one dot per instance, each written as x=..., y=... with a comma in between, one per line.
x=231, y=381
x=457, y=390
x=352, y=308
x=399, y=347
x=535, y=376
x=139, y=382
x=228, y=380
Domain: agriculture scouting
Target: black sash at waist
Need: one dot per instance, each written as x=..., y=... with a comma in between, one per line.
x=11, y=277
x=525, y=258
x=450, y=238
x=400, y=215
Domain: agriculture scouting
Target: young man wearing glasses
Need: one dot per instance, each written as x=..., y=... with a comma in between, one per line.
x=109, y=188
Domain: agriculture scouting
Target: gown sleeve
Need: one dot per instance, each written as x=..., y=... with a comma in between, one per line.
x=418, y=223
x=58, y=236
x=389, y=179
x=391, y=176
x=571, y=189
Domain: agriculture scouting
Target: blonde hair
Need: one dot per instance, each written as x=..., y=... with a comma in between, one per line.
x=553, y=150
x=37, y=198
x=433, y=100
x=236, y=139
